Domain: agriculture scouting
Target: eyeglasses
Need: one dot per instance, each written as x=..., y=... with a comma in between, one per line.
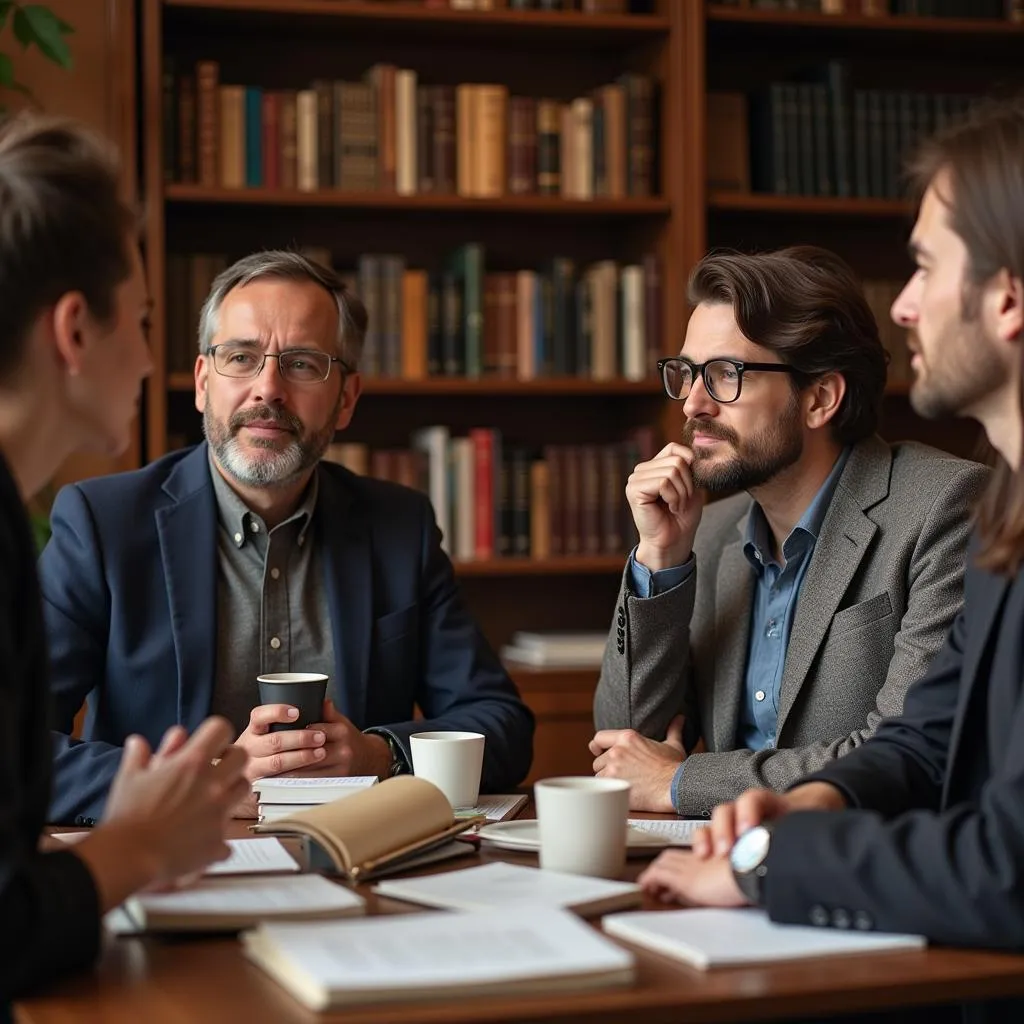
x=297, y=365
x=723, y=378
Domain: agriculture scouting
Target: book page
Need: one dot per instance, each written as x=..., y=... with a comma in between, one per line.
x=249, y=897
x=426, y=951
x=678, y=831
x=504, y=885
x=374, y=822
x=254, y=856
x=494, y=807
x=719, y=938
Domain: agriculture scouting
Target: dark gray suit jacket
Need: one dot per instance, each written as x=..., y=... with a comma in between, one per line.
x=881, y=591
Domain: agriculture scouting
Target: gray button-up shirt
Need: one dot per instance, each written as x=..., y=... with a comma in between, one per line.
x=272, y=613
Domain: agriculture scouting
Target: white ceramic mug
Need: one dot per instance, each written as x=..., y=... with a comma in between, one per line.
x=452, y=761
x=582, y=823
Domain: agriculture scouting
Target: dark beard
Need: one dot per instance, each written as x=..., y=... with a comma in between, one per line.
x=754, y=462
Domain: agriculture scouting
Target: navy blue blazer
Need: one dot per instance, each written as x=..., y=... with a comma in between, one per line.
x=129, y=584
x=935, y=842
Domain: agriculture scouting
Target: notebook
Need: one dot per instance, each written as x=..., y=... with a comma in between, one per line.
x=417, y=956
x=280, y=789
x=728, y=938
x=495, y=807
x=376, y=830
x=228, y=904
x=254, y=857
x=512, y=885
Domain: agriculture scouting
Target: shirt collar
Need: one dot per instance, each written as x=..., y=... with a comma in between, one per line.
x=757, y=545
x=240, y=521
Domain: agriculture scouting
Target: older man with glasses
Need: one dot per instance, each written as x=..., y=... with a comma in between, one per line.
x=759, y=638
x=170, y=589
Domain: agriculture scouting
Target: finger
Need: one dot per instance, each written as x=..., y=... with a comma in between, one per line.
x=605, y=738
x=723, y=828
x=136, y=753
x=674, y=736
x=289, y=739
x=288, y=761
x=264, y=715
x=599, y=764
x=752, y=808
x=233, y=762
x=701, y=843
x=173, y=739
x=210, y=740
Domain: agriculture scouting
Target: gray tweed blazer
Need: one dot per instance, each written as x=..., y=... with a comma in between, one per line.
x=881, y=591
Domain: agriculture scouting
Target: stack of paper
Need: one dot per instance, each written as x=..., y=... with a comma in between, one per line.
x=279, y=796
x=416, y=956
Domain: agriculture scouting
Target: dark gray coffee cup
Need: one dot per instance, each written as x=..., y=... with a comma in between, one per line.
x=303, y=690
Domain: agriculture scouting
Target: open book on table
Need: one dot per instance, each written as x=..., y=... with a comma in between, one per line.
x=379, y=829
x=416, y=956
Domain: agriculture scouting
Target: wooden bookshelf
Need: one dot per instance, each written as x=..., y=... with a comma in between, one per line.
x=812, y=206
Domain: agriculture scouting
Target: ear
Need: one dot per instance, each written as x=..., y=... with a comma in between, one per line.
x=349, y=398
x=823, y=399
x=201, y=373
x=71, y=325
x=1009, y=315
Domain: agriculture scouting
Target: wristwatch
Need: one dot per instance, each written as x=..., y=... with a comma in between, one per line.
x=398, y=763
x=748, y=859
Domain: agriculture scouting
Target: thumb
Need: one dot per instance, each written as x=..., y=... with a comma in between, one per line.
x=674, y=736
x=136, y=754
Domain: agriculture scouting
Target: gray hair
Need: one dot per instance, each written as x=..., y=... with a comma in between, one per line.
x=285, y=265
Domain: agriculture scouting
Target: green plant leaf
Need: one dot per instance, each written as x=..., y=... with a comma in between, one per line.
x=6, y=70
x=23, y=28
x=48, y=33
x=5, y=7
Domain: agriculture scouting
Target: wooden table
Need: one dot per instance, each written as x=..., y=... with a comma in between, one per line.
x=192, y=981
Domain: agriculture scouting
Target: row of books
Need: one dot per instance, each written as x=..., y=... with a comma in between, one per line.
x=601, y=321
x=1012, y=10
x=495, y=500
x=390, y=133
x=820, y=138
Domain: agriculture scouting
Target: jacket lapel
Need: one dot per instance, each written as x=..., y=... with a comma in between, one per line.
x=188, y=549
x=845, y=535
x=986, y=600
x=734, y=589
x=343, y=537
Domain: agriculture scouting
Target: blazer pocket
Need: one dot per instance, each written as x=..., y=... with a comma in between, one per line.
x=396, y=624
x=863, y=614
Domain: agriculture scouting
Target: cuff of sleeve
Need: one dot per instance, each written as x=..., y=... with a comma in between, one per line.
x=652, y=584
x=677, y=785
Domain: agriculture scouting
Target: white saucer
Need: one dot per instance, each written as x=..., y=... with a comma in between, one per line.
x=522, y=835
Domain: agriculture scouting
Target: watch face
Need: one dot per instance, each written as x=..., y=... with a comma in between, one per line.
x=750, y=849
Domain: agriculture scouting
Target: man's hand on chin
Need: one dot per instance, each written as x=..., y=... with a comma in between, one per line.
x=647, y=765
x=677, y=876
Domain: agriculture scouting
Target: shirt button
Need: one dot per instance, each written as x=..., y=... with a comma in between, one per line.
x=254, y=526
x=275, y=573
x=862, y=921
x=275, y=642
x=819, y=916
x=238, y=538
x=772, y=629
x=759, y=695
x=841, y=918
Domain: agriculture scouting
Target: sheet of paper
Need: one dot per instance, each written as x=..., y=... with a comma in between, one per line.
x=254, y=856
x=495, y=807
x=311, y=781
x=676, y=830
x=70, y=837
x=253, y=896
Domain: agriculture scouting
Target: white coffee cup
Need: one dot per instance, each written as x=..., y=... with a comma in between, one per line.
x=582, y=823
x=450, y=760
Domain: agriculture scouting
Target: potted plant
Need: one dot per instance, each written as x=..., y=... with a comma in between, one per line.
x=33, y=25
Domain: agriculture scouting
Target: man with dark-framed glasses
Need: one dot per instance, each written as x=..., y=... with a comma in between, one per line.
x=768, y=633
x=170, y=589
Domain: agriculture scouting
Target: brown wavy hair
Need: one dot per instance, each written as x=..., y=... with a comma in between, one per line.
x=983, y=159
x=806, y=305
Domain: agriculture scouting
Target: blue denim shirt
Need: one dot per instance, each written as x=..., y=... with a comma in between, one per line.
x=771, y=618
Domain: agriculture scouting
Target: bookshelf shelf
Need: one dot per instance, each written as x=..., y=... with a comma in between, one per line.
x=554, y=387
x=377, y=201
x=582, y=565
x=756, y=20
x=569, y=28
x=753, y=202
